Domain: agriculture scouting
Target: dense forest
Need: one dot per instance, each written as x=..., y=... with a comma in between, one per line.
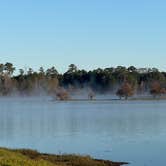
x=122, y=81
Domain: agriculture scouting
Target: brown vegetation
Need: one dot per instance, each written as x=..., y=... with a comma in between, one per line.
x=62, y=94
x=157, y=89
x=67, y=160
x=125, y=90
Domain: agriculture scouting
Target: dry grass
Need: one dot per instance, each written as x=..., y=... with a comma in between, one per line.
x=33, y=158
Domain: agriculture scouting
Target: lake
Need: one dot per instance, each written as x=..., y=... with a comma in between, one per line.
x=132, y=131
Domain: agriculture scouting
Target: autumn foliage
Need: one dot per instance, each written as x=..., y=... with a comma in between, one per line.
x=157, y=89
x=125, y=90
x=62, y=94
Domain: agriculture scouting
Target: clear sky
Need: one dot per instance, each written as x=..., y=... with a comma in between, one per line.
x=88, y=33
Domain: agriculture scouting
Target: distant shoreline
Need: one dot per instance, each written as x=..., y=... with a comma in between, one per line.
x=105, y=100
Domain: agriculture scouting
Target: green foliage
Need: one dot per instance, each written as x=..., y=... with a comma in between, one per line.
x=100, y=80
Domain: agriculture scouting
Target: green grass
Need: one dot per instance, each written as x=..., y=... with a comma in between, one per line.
x=33, y=158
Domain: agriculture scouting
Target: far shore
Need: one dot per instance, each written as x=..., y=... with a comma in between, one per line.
x=113, y=99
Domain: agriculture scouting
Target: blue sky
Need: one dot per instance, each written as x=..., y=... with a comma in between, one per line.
x=89, y=33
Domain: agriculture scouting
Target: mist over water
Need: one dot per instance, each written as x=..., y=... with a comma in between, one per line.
x=132, y=131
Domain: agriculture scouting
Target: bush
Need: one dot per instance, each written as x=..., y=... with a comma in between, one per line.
x=125, y=90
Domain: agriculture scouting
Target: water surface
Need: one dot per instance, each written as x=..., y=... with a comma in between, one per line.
x=133, y=131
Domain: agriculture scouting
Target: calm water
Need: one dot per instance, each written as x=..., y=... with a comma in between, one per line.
x=133, y=131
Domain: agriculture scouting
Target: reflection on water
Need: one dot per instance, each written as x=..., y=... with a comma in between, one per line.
x=131, y=131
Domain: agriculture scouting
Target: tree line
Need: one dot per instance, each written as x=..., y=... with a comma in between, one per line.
x=122, y=81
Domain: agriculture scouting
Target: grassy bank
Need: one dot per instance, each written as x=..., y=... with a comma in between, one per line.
x=33, y=158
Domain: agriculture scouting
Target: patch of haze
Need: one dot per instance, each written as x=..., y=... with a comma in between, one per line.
x=39, y=93
x=83, y=94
